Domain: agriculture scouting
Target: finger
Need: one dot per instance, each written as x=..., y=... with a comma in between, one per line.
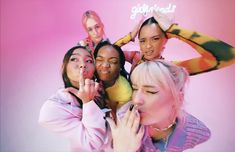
x=132, y=117
x=92, y=89
x=88, y=85
x=140, y=134
x=136, y=122
x=97, y=86
x=81, y=79
x=111, y=123
x=127, y=114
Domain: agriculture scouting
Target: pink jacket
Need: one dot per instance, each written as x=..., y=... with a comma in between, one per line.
x=85, y=128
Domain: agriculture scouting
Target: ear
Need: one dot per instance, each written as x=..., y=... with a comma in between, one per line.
x=181, y=98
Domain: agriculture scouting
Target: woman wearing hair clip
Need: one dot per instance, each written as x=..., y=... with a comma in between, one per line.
x=158, y=98
x=75, y=111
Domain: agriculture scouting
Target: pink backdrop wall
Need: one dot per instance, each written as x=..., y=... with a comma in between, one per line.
x=35, y=35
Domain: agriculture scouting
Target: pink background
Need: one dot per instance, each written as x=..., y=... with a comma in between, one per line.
x=35, y=34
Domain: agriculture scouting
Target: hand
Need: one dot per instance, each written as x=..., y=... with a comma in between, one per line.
x=87, y=89
x=163, y=20
x=126, y=133
x=135, y=31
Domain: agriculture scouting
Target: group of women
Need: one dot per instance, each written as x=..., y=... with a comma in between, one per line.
x=104, y=108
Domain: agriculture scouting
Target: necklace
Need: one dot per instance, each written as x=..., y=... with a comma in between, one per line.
x=163, y=129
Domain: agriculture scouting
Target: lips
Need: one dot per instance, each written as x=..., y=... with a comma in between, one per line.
x=104, y=71
x=148, y=53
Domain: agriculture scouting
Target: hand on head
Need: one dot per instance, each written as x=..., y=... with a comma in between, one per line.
x=87, y=89
x=136, y=28
x=164, y=21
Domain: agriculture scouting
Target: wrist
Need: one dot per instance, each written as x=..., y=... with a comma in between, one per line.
x=132, y=37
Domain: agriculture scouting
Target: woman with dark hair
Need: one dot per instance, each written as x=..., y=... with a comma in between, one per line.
x=76, y=110
x=110, y=62
x=154, y=34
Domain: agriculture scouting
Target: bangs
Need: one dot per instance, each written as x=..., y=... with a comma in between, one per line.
x=148, y=73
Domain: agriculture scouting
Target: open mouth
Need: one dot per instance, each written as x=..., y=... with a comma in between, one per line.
x=104, y=72
x=148, y=53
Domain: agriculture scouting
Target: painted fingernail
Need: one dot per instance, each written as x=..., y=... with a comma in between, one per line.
x=131, y=107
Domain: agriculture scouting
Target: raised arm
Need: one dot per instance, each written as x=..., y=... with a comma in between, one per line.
x=215, y=54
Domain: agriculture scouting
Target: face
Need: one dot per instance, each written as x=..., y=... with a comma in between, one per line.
x=80, y=60
x=154, y=102
x=95, y=30
x=151, y=41
x=107, y=63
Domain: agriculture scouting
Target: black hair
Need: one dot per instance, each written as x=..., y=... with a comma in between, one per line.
x=149, y=21
x=67, y=56
x=65, y=78
x=122, y=59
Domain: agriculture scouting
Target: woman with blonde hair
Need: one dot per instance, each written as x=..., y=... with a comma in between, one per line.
x=158, y=97
x=94, y=27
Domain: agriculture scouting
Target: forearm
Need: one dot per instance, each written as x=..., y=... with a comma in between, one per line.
x=124, y=40
x=214, y=53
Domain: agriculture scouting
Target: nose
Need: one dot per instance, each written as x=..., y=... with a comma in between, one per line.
x=82, y=65
x=148, y=44
x=138, y=98
x=105, y=64
x=95, y=31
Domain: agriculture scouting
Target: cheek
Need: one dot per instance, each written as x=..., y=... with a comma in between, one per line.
x=91, y=70
x=115, y=70
x=100, y=31
x=141, y=47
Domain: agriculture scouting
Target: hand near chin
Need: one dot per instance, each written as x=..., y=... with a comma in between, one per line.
x=87, y=89
x=127, y=134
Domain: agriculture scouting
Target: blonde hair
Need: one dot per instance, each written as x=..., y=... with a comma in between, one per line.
x=167, y=74
x=90, y=14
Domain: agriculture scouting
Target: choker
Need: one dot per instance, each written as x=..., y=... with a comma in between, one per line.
x=163, y=129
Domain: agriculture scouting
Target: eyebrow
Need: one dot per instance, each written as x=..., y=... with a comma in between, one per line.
x=109, y=58
x=157, y=35
x=145, y=86
x=80, y=55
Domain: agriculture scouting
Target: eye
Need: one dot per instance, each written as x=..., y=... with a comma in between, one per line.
x=155, y=38
x=89, y=61
x=97, y=26
x=98, y=60
x=73, y=59
x=89, y=29
x=152, y=92
x=113, y=62
x=142, y=41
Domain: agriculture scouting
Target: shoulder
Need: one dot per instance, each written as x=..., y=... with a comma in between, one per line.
x=60, y=104
x=196, y=131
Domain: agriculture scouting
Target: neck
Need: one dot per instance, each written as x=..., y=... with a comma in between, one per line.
x=109, y=83
x=161, y=133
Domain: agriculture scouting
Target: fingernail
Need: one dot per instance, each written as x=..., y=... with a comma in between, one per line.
x=131, y=107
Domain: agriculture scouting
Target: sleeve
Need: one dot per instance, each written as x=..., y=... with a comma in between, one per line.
x=130, y=56
x=197, y=132
x=86, y=129
x=124, y=40
x=215, y=54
